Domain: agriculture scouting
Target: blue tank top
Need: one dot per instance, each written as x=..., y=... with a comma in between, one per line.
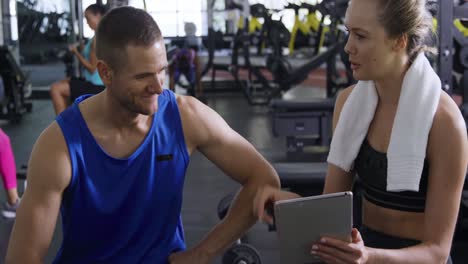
x=93, y=77
x=124, y=210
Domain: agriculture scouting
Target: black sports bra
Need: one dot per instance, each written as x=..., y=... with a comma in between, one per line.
x=371, y=168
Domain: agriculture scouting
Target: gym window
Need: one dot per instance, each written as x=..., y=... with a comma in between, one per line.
x=172, y=15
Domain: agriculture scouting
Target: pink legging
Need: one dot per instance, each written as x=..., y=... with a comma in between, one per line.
x=7, y=162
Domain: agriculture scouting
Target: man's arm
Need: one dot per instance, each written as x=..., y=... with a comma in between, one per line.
x=49, y=173
x=206, y=131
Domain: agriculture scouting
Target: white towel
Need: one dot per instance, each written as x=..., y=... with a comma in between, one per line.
x=418, y=102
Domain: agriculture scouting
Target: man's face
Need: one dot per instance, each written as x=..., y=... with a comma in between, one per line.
x=139, y=77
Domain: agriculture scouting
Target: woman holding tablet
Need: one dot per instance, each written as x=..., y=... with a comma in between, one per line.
x=401, y=135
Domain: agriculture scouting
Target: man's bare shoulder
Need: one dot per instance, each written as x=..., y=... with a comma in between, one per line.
x=50, y=160
x=188, y=103
x=201, y=123
x=192, y=110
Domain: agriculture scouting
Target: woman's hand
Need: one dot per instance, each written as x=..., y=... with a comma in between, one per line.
x=266, y=198
x=73, y=48
x=334, y=251
x=82, y=45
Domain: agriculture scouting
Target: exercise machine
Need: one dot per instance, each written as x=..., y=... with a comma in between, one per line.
x=17, y=88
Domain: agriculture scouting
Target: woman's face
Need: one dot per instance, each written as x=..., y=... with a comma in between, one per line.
x=371, y=52
x=92, y=19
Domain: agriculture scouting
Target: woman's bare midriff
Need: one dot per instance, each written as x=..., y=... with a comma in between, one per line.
x=396, y=223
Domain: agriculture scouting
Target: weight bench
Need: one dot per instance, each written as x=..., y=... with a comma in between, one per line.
x=308, y=176
x=302, y=176
x=16, y=88
x=304, y=124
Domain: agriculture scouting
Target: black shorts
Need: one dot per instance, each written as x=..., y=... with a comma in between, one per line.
x=79, y=87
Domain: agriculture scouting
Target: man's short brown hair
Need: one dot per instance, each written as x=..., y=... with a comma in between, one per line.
x=121, y=27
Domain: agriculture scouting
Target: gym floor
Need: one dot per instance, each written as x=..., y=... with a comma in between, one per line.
x=205, y=185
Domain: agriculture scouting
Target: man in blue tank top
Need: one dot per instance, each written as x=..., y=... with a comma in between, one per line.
x=130, y=145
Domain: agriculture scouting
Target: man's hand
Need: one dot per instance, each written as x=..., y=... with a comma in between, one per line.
x=191, y=256
x=266, y=198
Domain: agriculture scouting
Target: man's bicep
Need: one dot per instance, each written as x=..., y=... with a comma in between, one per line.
x=235, y=156
x=208, y=132
x=48, y=175
x=230, y=151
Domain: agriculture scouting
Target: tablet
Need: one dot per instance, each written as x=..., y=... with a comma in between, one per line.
x=303, y=221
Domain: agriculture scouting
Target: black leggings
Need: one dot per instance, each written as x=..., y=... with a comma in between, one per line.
x=376, y=239
x=79, y=87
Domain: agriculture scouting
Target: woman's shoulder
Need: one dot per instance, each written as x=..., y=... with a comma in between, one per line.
x=448, y=116
x=448, y=127
x=342, y=96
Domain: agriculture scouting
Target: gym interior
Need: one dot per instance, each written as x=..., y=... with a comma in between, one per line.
x=272, y=69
